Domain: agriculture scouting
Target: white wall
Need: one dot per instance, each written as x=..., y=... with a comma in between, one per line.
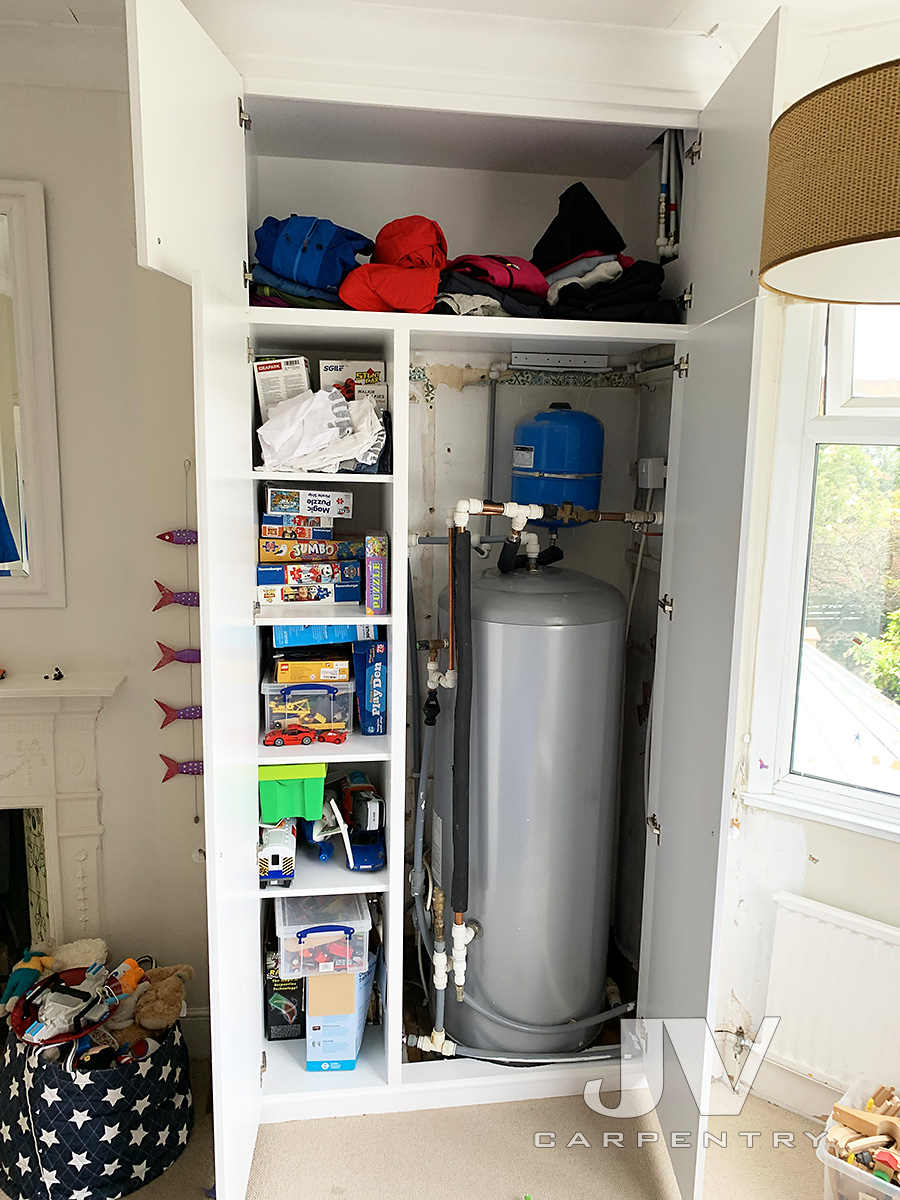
x=125, y=413
x=480, y=212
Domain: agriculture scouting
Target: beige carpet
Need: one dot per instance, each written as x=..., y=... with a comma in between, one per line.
x=408, y=1156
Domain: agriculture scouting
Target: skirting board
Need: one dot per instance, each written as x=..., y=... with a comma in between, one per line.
x=795, y=1092
x=196, y=1032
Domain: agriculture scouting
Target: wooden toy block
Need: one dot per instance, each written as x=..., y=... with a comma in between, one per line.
x=868, y=1123
x=877, y=1142
x=893, y=1107
x=880, y=1095
x=839, y=1138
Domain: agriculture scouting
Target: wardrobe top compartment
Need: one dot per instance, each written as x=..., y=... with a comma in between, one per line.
x=288, y=128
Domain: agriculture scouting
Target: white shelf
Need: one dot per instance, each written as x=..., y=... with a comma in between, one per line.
x=358, y=747
x=286, y=1077
x=259, y=474
x=323, y=327
x=332, y=878
x=316, y=614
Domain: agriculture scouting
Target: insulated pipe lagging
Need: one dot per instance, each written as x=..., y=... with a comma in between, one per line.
x=524, y=1027
x=418, y=875
x=461, y=594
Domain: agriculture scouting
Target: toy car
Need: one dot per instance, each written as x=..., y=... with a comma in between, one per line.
x=276, y=851
x=291, y=735
x=336, y=736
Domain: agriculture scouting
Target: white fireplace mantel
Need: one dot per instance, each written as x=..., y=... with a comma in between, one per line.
x=48, y=760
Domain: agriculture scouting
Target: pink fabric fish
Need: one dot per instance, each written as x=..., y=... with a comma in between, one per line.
x=167, y=596
x=193, y=712
x=179, y=537
x=190, y=655
x=193, y=766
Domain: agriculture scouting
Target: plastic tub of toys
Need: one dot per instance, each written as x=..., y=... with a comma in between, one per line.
x=845, y=1180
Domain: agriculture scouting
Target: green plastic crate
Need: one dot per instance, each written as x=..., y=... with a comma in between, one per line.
x=291, y=791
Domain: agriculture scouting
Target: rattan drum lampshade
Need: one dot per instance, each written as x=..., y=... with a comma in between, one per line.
x=832, y=221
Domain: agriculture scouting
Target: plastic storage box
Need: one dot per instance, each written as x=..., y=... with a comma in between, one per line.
x=319, y=935
x=291, y=791
x=843, y=1180
x=315, y=706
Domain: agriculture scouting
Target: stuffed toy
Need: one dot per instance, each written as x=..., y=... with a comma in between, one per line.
x=158, y=1006
x=24, y=974
x=79, y=954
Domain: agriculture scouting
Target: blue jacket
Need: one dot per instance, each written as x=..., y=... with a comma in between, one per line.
x=310, y=250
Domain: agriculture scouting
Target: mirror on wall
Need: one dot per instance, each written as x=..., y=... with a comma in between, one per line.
x=31, y=550
x=13, y=528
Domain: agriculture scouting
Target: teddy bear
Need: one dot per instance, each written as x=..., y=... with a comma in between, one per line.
x=157, y=1007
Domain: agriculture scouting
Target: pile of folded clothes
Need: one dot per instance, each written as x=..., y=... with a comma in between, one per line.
x=302, y=262
x=578, y=270
x=588, y=276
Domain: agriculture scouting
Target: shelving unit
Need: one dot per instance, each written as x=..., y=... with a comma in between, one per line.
x=357, y=748
x=195, y=193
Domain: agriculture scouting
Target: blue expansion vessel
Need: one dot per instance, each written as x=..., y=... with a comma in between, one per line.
x=557, y=456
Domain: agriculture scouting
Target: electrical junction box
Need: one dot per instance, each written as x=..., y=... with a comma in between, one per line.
x=651, y=473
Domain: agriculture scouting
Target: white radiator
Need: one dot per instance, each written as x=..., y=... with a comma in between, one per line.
x=835, y=984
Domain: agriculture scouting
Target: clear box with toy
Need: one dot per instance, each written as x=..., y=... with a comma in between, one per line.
x=303, y=713
x=852, y=1156
x=322, y=935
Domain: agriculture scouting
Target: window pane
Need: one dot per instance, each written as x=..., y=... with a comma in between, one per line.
x=847, y=720
x=876, y=351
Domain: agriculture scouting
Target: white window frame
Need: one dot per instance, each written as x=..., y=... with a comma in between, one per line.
x=839, y=397
x=800, y=427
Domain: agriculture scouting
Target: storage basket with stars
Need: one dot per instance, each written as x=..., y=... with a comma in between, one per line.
x=92, y=1135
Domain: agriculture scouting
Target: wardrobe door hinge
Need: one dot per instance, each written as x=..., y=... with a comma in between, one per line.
x=248, y=275
x=667, y=604
x=686, y=299
x=683, y=366
x=693, y=152
x=243, y=116
x=250, y=355
x=654, y=827
x=262, y=1068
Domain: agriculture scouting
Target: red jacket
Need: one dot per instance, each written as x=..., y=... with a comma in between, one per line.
x=405, y=271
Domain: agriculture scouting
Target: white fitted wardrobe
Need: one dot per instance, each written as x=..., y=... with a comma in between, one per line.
x=202, y=182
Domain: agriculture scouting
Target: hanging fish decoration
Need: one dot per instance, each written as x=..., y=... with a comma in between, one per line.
x=179, y=537
x=166, y=597
x=189, y=655
x=193, y=712
x=193, y=766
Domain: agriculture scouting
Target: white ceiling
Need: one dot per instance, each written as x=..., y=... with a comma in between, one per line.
x=681, y=16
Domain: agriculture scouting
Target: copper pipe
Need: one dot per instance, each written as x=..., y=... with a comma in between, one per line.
x=459, y=918
x=492, y=508
x=437, y=909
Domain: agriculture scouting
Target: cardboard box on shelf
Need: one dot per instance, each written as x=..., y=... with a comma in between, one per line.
x=371, y=670
x=336, y=1007
x=296, y=574
x=318, y=671
x=273, y=526
x=336, y=372
x=328, y=550
x=376, y=573
x=279, y=379
x=312, y=593
x=309, y=502
x=287, y=636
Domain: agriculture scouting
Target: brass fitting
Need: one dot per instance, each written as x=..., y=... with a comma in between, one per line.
x=437, y=912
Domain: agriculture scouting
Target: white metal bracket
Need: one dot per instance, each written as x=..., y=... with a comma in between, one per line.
x=683, y=366
x=693, y=152
x=686, y=299
x=243, y=116
x=654, y=827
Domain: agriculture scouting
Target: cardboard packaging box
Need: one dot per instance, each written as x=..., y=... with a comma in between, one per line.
x=285, y=636
x=324, y=550
x=320, y=671
x=371, y=672
x=284, y=999
x=292, y=527
x=336, y=1008
x=335, y=372
x=376, y=573
x=279, y=379
x=309, y=503
x=279, y=549
x=376, y=392
x=297, y=574
x=312, y=593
